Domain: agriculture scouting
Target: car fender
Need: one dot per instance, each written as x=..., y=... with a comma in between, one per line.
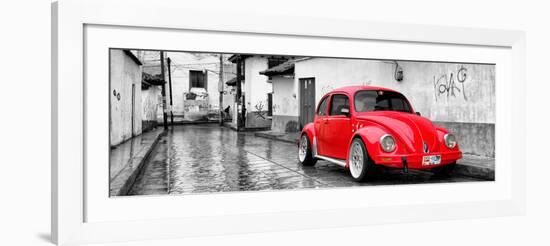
x=371, y=134
x=371, y=138
x=441, y=129
x=309, y=129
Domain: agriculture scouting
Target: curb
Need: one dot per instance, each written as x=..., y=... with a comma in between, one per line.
x=475, y=171
x=130, y=181
x=255, y=129
x=268, y=136
x=197, y=122
x=229, y=126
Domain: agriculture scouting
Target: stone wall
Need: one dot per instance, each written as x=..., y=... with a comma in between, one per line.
x=258, y=120
x=285, y=123
x=473, y=138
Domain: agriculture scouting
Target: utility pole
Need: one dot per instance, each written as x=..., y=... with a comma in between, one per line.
x=220, y=89
x=170, y=86
x=163, y=92
x=239, y=94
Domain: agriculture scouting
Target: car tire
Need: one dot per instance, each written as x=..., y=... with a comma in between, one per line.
x=444, y=171
x=305, y=155
x=361, y=166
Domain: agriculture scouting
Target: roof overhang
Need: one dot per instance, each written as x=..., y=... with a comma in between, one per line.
x=133, y=57
x=150, y=80
x=237, y=57
x=285, y=68
x=232, y=82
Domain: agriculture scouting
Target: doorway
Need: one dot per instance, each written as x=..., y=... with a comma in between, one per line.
x=307, y=100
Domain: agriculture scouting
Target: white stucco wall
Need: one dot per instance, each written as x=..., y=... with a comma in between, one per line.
x=151, y=102
x=183, y=63
x=124, y=73
x=285, y=98
x=473, y=100
x=256, y=87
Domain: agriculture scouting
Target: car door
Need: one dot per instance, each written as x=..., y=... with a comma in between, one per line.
x=319, y=122
x=337, y=127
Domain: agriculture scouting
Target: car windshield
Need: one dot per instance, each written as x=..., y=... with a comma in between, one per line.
x=380, y=100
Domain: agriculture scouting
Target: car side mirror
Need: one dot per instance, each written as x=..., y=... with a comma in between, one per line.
x=418, y=113
x=344, y=111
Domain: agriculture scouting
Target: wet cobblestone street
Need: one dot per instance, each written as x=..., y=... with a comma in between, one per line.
x=210, y=158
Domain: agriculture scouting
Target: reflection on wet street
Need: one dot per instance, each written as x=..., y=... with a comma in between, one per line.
x=209, y=158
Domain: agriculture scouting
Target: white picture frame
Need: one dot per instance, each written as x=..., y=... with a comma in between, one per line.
x=79, y=216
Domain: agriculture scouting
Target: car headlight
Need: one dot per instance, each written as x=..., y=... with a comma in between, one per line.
x=450, y=140
x=387, y=143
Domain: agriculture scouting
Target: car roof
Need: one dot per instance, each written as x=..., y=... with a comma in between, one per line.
x=353, y=89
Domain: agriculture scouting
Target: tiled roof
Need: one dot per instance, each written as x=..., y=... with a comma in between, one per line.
x=284, y=68
x=281, y=69
x=232, y=82
x=152, y=79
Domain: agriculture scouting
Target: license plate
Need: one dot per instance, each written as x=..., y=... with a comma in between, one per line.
x=431, y=160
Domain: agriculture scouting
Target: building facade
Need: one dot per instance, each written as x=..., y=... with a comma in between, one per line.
x=460, y=97
x=195, y=83
x=125, y=96
x=254, y=90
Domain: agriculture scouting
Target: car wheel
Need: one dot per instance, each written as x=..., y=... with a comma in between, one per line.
x=444, y=171
x=360, y=165
x=305, y=155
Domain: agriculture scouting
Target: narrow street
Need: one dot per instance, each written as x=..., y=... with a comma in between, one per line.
x=210, y=158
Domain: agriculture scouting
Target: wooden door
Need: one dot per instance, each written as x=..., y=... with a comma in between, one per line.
x=307, y=100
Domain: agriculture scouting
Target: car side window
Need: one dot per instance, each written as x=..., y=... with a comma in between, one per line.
x=322, y=110
x=337, y=103
x=399, y=105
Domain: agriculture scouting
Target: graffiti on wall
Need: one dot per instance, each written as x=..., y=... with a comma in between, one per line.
x=260, y=113
x=451, y=84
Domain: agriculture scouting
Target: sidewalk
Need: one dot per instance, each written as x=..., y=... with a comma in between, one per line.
x=127, y=158
x=469, y=165
x=233, y=127
x=289, y=137
x=476, y=166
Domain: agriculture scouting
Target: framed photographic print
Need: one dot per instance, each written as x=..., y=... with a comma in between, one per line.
x=175, y=125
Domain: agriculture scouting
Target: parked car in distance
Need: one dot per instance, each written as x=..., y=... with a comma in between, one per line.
x=363, y=128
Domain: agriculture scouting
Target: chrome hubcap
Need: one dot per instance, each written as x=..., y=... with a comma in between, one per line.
x=356, y=160
x=302, y=149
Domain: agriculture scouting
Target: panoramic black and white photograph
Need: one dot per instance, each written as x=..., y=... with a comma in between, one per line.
x=184, y=122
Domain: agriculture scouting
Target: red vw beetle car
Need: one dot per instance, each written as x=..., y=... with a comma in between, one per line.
x=365, y=127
